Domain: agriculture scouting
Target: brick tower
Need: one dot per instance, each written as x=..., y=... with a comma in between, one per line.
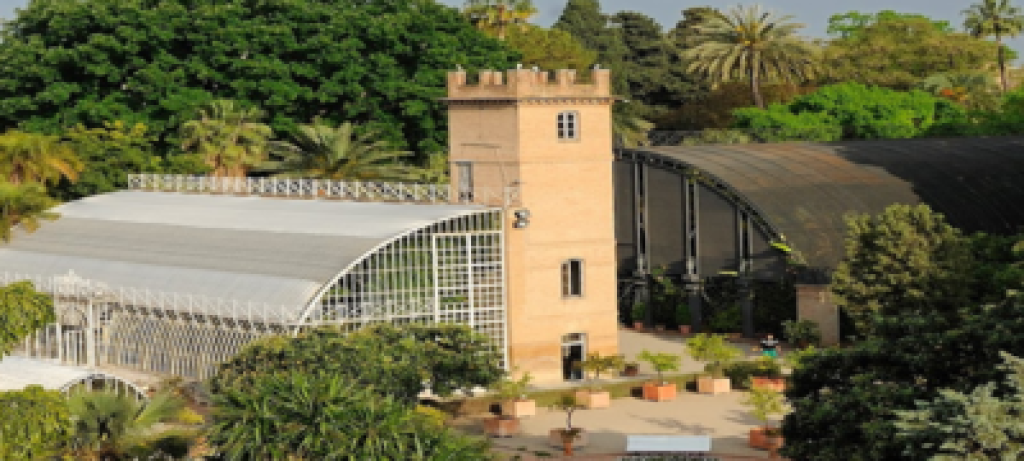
x=544, y=151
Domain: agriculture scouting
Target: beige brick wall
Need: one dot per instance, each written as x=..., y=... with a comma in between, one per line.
x=510, y=133
x=814, y=303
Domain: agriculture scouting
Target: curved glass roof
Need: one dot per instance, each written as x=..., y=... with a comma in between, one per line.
x=803, y=190
x=18, y=372
x=246, y=249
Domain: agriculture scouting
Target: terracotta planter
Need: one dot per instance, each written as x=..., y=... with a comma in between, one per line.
x=775, y=384
x=630, y=370
x=501, y=426
x=758, y=439
x=594, y=399
x=555, y=439
x=709, y=385
x=774, y=443
x=659, y=328
x=660, y=392
x=519, y=408
x=684, y=329
x=638, y=326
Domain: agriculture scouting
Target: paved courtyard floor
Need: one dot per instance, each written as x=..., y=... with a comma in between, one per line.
x=723, y=416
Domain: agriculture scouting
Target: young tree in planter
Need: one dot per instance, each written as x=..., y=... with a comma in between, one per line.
x=512, y=393
x=568, y=436
x=714, y=350
x=764, y=404
x=593, y=366
x=661, y=362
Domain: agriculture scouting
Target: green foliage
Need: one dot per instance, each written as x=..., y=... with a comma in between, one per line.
x=512, y=389
x=495, y=16
x=718, y=136
x=741, y=371
x=639, y=311
x=584, y=20
x=974, y=90
x=712, y=349
x=34, y=157
x=24, y=206
x=567, y=402
x=23, y=310
x=904, y=261
x=341, y=153
x=715, y=109
x=852, y=23
x=34, y=424
x=765, y=403
x=995, y=18
x=654, y=70
x=851, y=111
x=774, y=303
x=550, y=48
x=595, y=364
x=110, y=425
x=981, y=425
x=802, y=332
x=298, y=416
x=726, y=319
x=751, y=45
x=229, y=137
x=797, y=358
x=898, y=53
x=395, y=360
x=660, y=361
x=375, y=62
x=108, y=153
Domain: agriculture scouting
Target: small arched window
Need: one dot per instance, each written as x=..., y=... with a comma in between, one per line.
x=568, y=125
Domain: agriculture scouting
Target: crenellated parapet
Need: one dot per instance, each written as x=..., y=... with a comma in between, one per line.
x=520, y=84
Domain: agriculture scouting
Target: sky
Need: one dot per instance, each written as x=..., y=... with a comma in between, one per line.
x=813, y=13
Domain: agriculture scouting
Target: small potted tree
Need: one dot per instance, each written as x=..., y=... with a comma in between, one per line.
x=631, y=369
x=568, y=437
x=803, y=333
x=660, y=390
x=764, y=404
x=514, y=401
x=717, y=353
x=593, y=396
x=767, y=375
x=639, y=312
x=683, y=318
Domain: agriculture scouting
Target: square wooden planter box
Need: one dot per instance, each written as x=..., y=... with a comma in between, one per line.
x=555, y=439
x=519, y=408
x=707, y=385
x=659, y=392
x=775, y=384
x=499, y=426
x=594, y=399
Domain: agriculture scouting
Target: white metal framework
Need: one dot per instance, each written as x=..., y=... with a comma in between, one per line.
x=448, y=271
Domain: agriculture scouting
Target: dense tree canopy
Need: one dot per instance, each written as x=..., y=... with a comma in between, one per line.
x=23, y=310
x=585, y=21
x=34, y=423
x=899, y=53
x=851, y=23
x=654, y=69
x=377, y=62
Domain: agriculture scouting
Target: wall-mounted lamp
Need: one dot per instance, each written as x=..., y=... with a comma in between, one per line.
x=522, y=219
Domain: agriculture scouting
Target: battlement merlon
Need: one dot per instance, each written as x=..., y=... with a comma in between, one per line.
x=527, y=83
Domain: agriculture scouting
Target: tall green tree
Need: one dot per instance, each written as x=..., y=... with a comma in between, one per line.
x=686, y=29
x=33, y=157
x=35, y=424
x=585, y=21
x=114, y=426
x=851, y=23
x=495, y=16
x=24, y=311
x=752, y=45
x=109, y=153
x=655, y=72
x=550, y=48
x=302, y=416
x=374, y=62
x=340, y=153
x=899, y=53
x=995, y=18
x=229, y=137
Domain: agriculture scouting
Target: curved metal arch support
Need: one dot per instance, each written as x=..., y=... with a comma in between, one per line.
x=448, y=271
x=119, y=384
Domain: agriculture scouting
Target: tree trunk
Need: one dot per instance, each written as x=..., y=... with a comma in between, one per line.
x=1002, y=64
x=755, y=84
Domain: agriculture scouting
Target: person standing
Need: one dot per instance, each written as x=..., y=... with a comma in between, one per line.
x=770, y=346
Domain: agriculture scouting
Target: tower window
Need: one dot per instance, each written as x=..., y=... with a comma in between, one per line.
x=465, y=178
x=572, y=278
x=568, y=125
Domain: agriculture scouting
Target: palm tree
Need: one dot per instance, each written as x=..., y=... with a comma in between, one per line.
x=25, y=205
x=494, y=16
x=230, y=137
x=339, y=153
x=996, y=18
x=34, y=157
x=749, y=44
x=114, y=426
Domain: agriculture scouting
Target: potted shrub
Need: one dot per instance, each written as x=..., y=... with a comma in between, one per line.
x=639, y=312
x=631, y=369
x=683, y=318
x=764, y=403
x=767, y=375
x=593, y=396
x=512, y=395
x=717, y=353
x=568, y=437
x=727, y=321
x=660, y=390
x=803, y=333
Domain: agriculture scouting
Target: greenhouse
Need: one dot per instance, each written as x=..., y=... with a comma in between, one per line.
x=158, y=280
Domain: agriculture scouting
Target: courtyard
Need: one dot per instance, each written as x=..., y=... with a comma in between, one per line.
x=723, y=417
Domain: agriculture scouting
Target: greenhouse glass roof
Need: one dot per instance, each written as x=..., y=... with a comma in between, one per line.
x=245, y=249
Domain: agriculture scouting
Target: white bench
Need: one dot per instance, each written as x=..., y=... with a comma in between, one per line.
x=664, y=444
